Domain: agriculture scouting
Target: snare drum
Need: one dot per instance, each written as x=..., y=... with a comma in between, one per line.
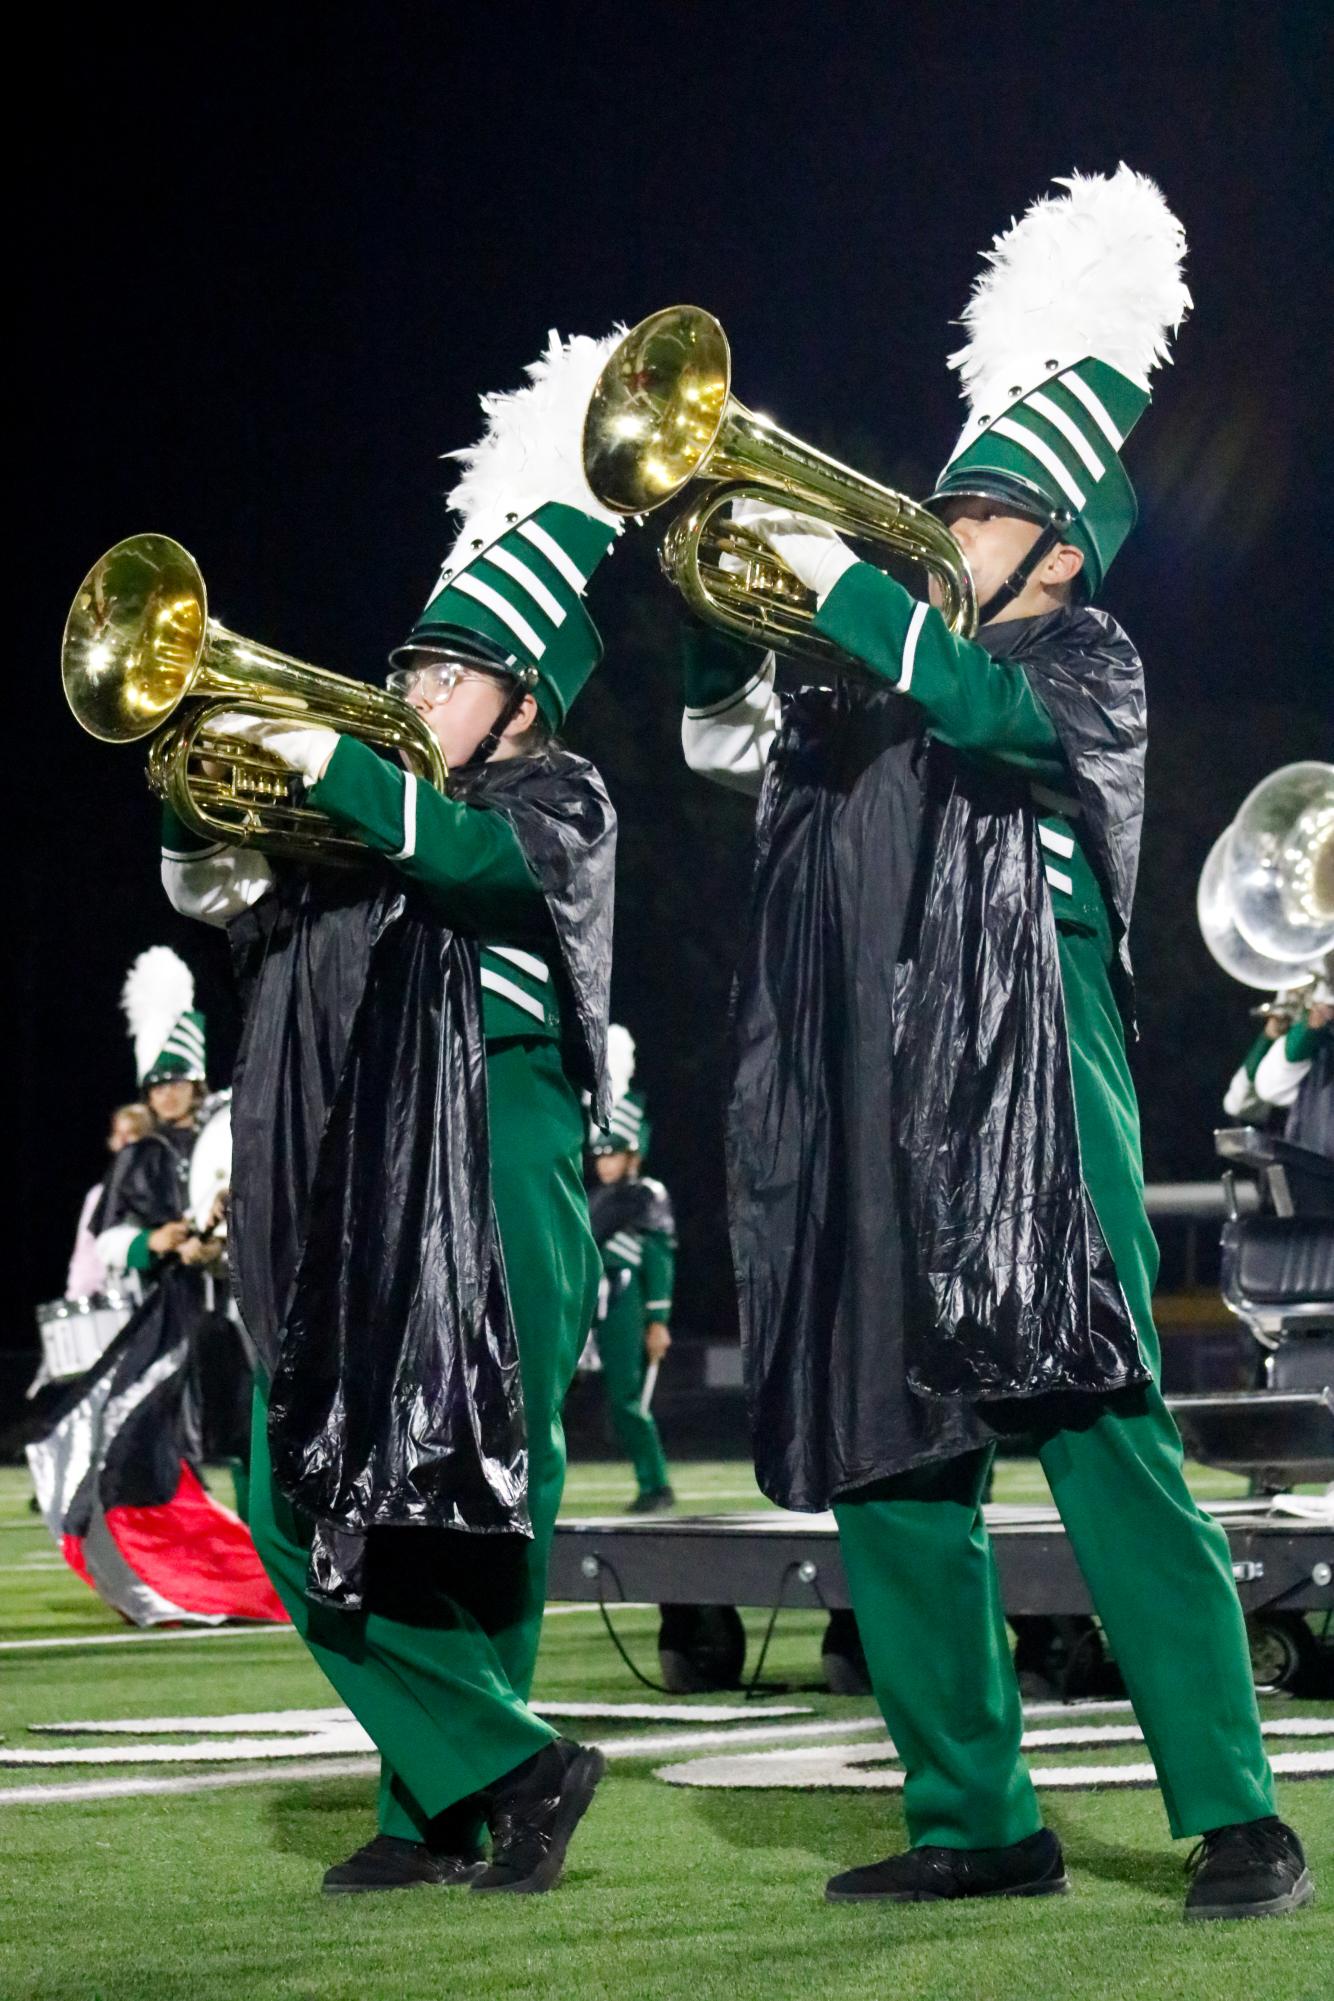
x=75, y=1332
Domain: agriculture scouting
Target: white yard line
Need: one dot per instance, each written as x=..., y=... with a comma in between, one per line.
x=79, y=1790
x=144, y=1639
x=253, y=1631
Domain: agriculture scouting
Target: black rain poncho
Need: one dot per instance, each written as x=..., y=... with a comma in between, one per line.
x=913, y=1244
x=365, y=1245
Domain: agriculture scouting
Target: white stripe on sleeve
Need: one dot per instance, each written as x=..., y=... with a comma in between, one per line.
x=409, y=847
x=914, y=633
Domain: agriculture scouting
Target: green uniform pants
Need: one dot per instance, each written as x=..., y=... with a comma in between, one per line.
x=620, y=1344
x=438, y=1665
x=923, y=1577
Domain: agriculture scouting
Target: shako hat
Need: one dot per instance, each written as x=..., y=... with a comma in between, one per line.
x=510, y=593
x=166, y=1028
x=627, y=1128
x=1064, y=328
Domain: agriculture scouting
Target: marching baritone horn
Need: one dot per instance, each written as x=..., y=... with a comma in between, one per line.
x=1266, y=897
x=662, y=415
x=141, y=657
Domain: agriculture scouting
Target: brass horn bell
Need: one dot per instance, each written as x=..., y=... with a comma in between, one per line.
x=662, y=415
x=141, y=657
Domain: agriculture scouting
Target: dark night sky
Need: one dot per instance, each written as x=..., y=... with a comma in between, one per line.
x=271, y=260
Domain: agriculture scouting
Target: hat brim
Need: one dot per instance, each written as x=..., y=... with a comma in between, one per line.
x=454, y=644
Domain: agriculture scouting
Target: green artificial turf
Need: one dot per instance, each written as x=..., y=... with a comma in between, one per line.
x=670, y=1892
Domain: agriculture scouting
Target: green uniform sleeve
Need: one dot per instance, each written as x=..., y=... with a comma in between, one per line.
x=657, y=1274
x=1256, y=1054
x=180, y=841
x=1302, y=1041
x=974, y=703
x=718, y=668
x=467, y=858
x=139, y=1257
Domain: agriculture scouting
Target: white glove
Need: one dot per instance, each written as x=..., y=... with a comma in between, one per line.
x=307, y=749
x=812, y=550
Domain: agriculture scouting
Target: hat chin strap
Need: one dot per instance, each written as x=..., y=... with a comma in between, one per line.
x=513, y=702
x=1050, y=535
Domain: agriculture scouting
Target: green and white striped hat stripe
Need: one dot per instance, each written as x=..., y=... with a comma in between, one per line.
x=626, y=1123
x=183, y=1053
x=521, y=589
x=1059, y=444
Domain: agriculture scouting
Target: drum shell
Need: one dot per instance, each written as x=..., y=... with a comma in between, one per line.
x=76, y=1333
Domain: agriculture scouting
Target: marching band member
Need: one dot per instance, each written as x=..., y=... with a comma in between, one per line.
x=1296, y=1073
x=409, y=1220
x=87, y=1273
x=938, y=1213
x=633, y=1226
x=118, y=1471
x=1241, y=1100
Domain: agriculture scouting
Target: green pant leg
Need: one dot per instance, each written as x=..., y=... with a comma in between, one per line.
x=552, y=1268
x=1158, y=1569
x=924, y=1587
x=430, y=1690
x=620, y=1343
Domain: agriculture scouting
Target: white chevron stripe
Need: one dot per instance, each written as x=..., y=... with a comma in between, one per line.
x=1060, y=844
x=495, y=983
x=527, y=962
x=473, y=587
x=545, y=600
x=1059, y=880
x=1095, y=406
x=1019, y=434
x=560, y=559
x=1068, y=429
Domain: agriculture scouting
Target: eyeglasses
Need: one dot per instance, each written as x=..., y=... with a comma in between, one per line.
x=431, y=684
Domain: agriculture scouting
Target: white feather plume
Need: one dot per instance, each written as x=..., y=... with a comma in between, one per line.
x=620, y=1060
x=531, y=450
x=158, y=988
x=1095, y=271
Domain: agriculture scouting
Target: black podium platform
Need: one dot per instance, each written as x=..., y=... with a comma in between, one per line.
x=1280, y=1562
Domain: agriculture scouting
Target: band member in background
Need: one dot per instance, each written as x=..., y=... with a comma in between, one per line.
x=118, y=1473
x=631, y=1217
x=87, y=1273
x=938, y=1216
x=410, y=1230
x=1241, y=1100
x=1295, y=1074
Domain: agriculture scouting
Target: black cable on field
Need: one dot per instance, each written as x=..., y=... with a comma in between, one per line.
x=778, y=1688
x=658, y=1687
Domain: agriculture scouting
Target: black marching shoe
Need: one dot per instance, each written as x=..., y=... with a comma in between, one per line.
x=387, y=1863
x=656, y=1502
x=1030, y=1868
x=533, y=1811
x=1254, y=1869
